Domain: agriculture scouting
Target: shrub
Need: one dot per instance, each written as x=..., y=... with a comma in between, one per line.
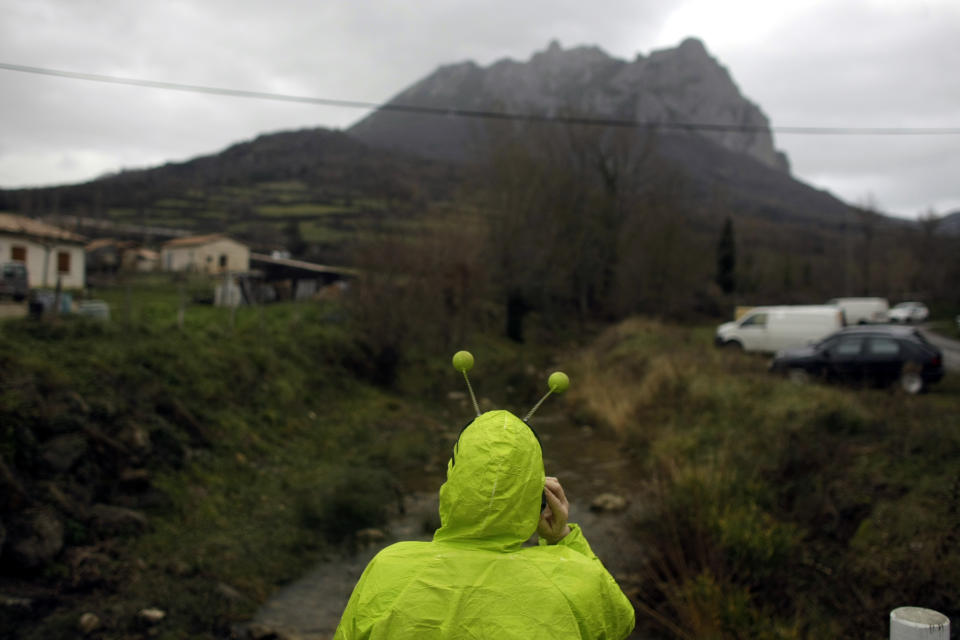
x=771, y=509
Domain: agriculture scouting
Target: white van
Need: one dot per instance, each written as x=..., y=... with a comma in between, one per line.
x=771, y=329
x=863, y=310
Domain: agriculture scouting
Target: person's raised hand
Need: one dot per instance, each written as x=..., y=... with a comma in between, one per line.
x=553, y=525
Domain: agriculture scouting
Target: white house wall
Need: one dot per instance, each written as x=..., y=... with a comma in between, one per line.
x=41, y=262
x=206, y=258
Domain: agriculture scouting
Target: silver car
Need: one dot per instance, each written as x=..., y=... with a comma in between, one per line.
x=908, y=312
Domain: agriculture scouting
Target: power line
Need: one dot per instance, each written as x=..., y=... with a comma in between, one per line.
x=480, y=114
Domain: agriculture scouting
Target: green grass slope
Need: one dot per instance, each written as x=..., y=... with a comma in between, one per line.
x=245, y=442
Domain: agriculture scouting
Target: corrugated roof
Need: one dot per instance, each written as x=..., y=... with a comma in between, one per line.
x=300, y=264
x=10, y=223
x=196, y=240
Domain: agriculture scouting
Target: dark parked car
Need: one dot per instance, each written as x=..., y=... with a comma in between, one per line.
x=877, y=355
x=13, y=281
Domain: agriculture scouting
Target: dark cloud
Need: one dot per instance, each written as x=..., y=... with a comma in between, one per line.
x=842, y=63
x=864, y=64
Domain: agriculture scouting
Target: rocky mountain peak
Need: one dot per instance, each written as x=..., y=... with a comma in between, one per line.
x=692, y=48
x=684, y=84
x=558, y=58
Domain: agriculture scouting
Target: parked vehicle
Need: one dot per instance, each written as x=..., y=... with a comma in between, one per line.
x=769, y=329
x=863, y=310
x=875, y=355
x=909, y=312
x=13, y=281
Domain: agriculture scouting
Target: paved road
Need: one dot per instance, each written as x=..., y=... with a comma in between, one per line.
x=950, y=348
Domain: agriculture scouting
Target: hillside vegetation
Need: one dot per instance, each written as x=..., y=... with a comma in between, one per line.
x=576, y=223
x=195, y=468
x=188, y=469
x=773, y=510
x=312, y=192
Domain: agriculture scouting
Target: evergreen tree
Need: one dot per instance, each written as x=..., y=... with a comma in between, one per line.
x=726, y=259
x=296, y=245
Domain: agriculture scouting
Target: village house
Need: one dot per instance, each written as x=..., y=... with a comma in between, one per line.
x=104, y=255
x=109, y=255
x=215, y=253
x=51, y=254
x=140, y=259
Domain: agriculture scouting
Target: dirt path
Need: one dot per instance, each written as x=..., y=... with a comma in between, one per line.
x=587, y=464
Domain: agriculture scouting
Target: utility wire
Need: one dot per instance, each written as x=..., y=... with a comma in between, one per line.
x=487, y=115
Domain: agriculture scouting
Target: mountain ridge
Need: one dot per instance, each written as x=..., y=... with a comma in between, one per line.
x=683, y=85
x=384, y=152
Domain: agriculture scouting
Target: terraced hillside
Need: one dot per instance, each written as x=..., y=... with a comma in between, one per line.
x=309, y=191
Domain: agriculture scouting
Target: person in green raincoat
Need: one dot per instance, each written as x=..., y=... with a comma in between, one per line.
x=476, y=579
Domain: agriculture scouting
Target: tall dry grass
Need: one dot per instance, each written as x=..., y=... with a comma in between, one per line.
x=775, y=510
x=628, y=374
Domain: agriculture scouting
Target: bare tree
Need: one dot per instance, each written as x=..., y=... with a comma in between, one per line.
x=558, y=201
x=415, y=293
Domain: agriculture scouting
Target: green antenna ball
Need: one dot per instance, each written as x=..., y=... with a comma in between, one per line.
x=463, y=361
x=558, y=382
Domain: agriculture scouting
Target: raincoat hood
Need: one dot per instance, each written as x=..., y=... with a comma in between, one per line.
x=477, y=579
x=491, y=498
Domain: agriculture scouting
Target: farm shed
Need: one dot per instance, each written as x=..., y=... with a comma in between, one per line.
x=297, y=279
x=215, y=253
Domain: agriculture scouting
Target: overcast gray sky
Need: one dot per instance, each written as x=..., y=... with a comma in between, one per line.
x=832, y=63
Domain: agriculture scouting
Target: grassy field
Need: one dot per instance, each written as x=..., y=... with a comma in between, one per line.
x=305, y=210
x=949, y=328
x=327, y=214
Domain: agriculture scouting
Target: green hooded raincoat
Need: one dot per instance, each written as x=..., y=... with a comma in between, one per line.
x=476, y=580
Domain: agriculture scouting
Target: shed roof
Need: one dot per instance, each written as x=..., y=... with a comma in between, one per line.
x=193, y=241
x=21, y=225
x=261, y=259
x=100, y=243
